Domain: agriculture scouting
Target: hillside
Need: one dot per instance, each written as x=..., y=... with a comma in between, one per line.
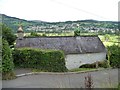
x=68, y=26
x=14, y=22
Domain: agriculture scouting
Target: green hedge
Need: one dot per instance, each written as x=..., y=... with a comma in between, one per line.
x=46, y=60
x=7, y=61
x=114, y=55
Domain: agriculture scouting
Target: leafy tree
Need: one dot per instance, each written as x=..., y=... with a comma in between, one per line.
x=7, y=34
x=77, y=32
x=7, y=61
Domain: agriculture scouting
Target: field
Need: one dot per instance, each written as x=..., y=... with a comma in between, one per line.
x=113, y=39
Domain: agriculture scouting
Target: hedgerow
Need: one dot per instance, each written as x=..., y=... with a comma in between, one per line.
x=45, y=60
x=114, y=56
x=7, y=61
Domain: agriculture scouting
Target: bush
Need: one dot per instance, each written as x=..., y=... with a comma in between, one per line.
x=114, y=55
x=103, y=64
x=46, y=60
x=88, y=66
x=7, y=61
x=7, y=34
x=34, y=34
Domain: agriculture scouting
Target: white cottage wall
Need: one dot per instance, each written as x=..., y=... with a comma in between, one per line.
x=76, y=60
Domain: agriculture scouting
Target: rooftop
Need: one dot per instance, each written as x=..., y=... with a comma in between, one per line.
x=69, y=44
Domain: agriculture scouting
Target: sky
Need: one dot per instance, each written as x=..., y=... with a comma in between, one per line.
x=61, y=10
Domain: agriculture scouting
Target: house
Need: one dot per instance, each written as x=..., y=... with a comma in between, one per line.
x=78, y=50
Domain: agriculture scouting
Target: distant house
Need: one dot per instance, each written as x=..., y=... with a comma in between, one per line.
x=78, y=50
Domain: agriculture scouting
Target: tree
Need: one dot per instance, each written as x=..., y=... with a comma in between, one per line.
x=77, y=32
x=7, y=61
x=7, y=34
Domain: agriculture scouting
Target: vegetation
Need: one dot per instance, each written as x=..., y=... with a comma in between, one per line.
x=89, y=82
x=103, y=27
x=100, y=64
x=114, y=55
x=77, y=33
x=45, y=60
x=7, y=62
x=7, y=34
x=33, y=34
x=82, y=69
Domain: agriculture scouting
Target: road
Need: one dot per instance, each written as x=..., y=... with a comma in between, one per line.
x=101, y=79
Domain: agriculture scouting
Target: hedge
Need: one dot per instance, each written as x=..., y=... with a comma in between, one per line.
x=45, y=60
x=114, y=56
x=7, y=61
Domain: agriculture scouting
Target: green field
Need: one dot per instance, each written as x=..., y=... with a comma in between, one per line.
x=113, y=39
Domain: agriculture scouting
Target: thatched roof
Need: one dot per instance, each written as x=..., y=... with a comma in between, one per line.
x=69, y=44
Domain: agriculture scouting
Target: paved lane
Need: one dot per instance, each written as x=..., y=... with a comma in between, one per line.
x=101, y=79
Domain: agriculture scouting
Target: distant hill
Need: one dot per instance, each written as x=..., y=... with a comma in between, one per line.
x=14, y=22
x=37, y=25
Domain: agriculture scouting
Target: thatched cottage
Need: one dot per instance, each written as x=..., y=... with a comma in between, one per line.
x=78, y=50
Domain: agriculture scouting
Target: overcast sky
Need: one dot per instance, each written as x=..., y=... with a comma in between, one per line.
x=61, y=10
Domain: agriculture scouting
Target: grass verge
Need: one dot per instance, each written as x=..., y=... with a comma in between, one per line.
x=83, y=69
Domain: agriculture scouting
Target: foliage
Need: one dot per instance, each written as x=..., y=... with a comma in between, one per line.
x=34, y=34
x=7, y=61
x=8, y=35
x=44, y=34
x=103, y=64
x=118, y=86
x=77, y=33
x=114, y=55
x=89, y=81
x=8, y=75
x=106, y=37
x=88, y=66
x=29, y=26
x=45, y=60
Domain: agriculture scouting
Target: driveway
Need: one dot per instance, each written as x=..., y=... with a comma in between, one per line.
x=101, y=79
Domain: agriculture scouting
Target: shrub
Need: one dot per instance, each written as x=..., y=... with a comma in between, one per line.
x=46, y=60
x=103, y=64
x=114, y=55
x=88, y=66
x=7, y=61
